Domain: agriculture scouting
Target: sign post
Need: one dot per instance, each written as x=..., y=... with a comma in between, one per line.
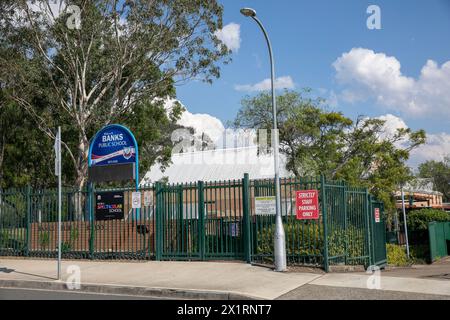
x=307, y=204
x=113, y=156
x=58, y=174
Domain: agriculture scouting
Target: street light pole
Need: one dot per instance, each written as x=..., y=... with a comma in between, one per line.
x=404, y=221
x=279, y=237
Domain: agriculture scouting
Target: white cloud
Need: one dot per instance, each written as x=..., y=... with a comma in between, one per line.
x=51, y=9
x=391, y=125
x=436, y=146
x=203, y=123
x=285, y=82
x=214, y=128
x=230, y=35
x=370, y=75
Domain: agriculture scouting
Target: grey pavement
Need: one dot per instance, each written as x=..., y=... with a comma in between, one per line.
x=439, y=270
x=213, y=280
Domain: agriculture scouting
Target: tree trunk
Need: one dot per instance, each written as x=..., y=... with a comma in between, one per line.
x=82, y=176
x=2, y=154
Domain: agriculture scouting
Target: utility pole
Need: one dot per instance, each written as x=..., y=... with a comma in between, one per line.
x=404, y=221
x=58, y=174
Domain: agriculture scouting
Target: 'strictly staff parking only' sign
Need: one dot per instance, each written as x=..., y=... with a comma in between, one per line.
x=307, y=204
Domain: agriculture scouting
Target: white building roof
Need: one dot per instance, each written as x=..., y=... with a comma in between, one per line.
x=219, y=164
x=421, y=185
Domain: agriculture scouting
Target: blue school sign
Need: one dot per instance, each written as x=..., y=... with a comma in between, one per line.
x=114, y=145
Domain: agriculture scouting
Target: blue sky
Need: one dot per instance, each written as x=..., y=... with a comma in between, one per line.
x=309, y=36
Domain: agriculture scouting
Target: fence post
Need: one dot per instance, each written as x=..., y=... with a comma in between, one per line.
x=90, y=192
x=368, y=223
x=372, y=228
x=201, y=215
x=325, y=224
x=28, y=220
x=158, y=223
x=246, y=213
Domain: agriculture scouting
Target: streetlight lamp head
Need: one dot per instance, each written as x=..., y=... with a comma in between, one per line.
x=248, y=12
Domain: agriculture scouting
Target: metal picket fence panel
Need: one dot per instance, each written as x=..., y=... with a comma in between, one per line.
x=304, y=238
x=13, y=222
x=178, y=222
x=348, y=226
x=213, y=220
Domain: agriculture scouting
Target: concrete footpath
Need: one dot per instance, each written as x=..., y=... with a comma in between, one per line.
x=193, y=280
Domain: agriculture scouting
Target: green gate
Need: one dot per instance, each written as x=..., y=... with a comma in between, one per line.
x=178, y=222
x=348, y=239
x=378, y=232
x=304, y=238
x=200, y=221
x=439, y=235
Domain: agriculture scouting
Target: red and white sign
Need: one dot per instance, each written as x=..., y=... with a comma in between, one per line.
x=307, y=204
x=377, y=214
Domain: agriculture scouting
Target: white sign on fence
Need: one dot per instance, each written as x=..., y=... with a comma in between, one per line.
x=136, y=200
x=265, y=205
x=148, y=199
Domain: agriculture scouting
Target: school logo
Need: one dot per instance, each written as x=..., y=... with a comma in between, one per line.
x=127, y=152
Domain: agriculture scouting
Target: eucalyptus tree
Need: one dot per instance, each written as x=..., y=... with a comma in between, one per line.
x=102, y=60
x=320, y=141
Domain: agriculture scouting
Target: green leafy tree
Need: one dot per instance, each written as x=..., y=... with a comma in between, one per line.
x=439, y=171
x=110, y=67
x=317, y=141
x=24, y=151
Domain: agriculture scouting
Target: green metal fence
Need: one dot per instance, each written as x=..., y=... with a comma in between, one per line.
x=213, y=220
x=439, y=239
x=304, y=238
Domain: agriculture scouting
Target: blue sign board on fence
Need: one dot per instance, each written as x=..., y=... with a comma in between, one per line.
x=114, y=144
x=113, y=155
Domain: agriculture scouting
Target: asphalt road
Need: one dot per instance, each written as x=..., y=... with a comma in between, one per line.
x=30, y=294
x=306, y=292
x=314, y=292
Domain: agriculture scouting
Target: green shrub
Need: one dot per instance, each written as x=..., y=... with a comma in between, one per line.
x=11, y=240
x=418, y=220
x=351, y=240
x=420, y=253
x=307, y=240
x=65, y=247
x=301, y=239
x=4, y=239
x=44, y=239
x=396, y=255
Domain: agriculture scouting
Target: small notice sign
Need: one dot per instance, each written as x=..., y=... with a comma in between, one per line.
x=307, y=204
x=377, y=214
x=148, y=199
x=109, y=205
x=136, y=200
x=265, y=205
